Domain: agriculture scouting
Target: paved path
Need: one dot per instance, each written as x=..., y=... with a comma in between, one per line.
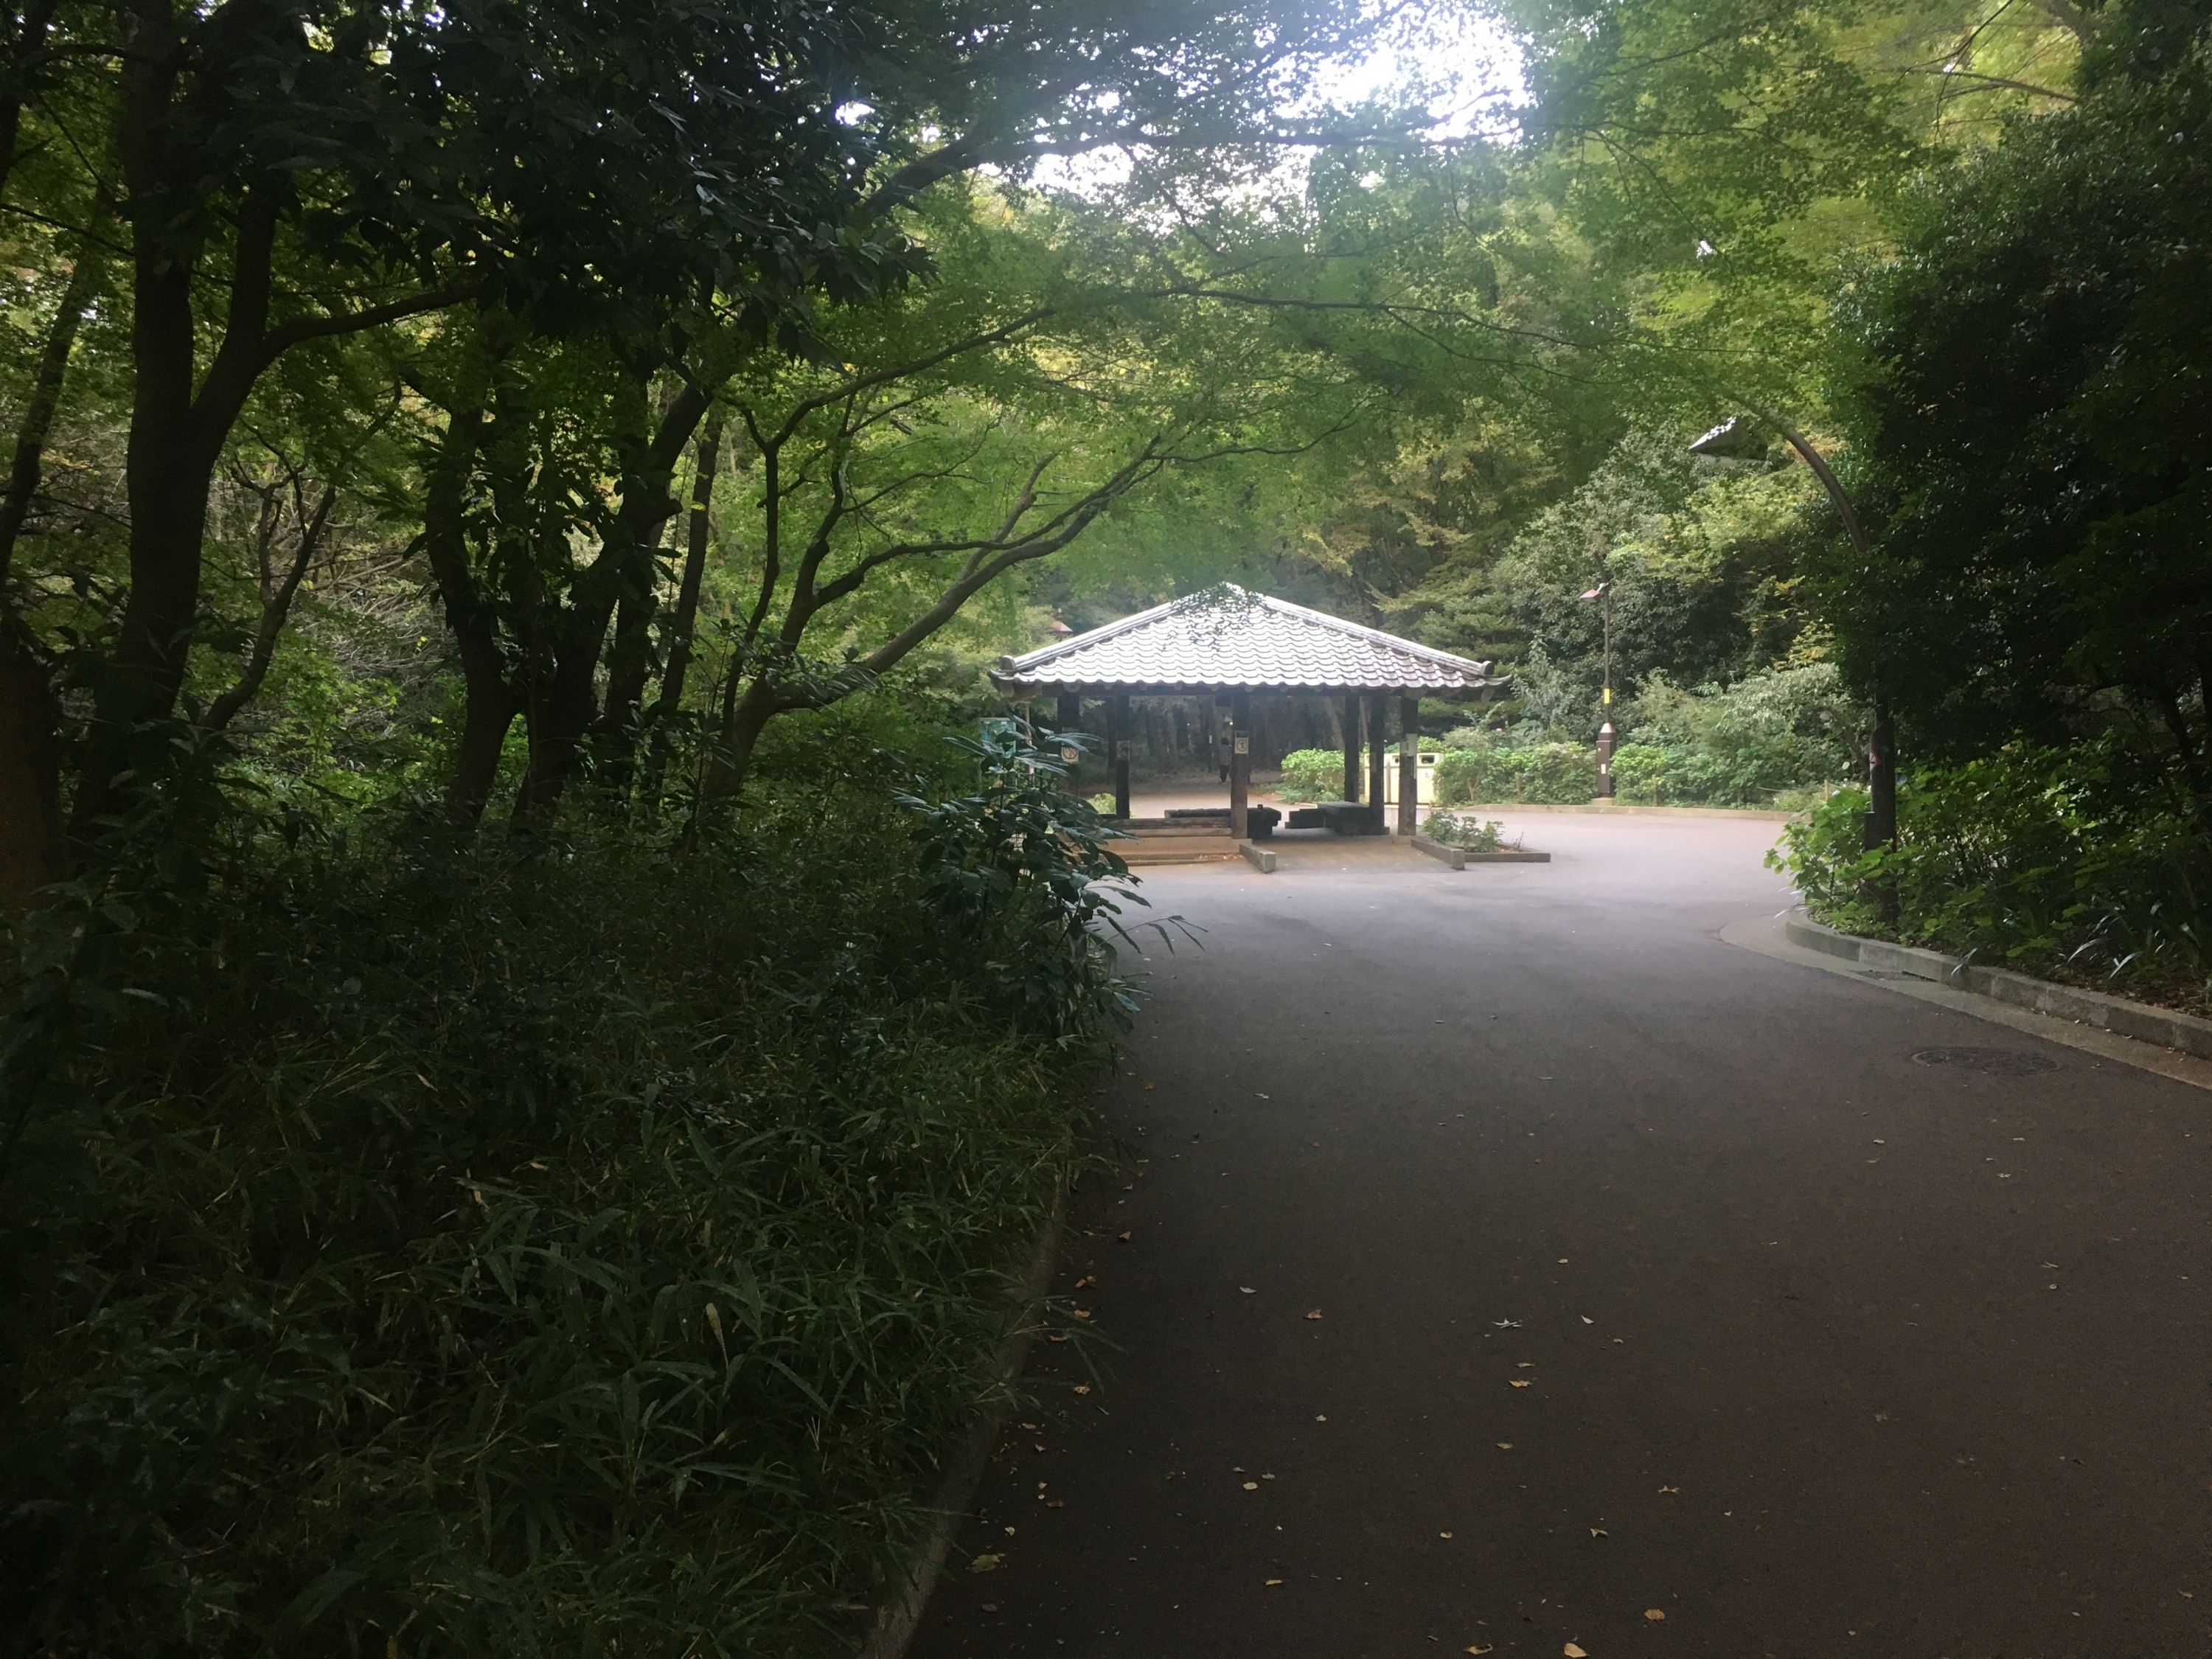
x=1655, y=1276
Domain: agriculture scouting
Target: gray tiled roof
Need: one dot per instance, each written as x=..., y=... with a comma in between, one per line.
x=1226, y=638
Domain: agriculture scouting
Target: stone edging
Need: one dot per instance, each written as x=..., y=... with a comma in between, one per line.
x=2185, y=1033
x=899, y=1617
x=1613, y=809
x=1261, y=858
x=1460, y=857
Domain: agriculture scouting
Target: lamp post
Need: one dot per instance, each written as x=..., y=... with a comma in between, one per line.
x=1731, y=437
x=1603, y=593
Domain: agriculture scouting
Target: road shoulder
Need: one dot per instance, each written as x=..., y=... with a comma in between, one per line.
x=1766, y=936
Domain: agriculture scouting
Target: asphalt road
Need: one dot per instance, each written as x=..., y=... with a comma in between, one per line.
x=1654, y=1277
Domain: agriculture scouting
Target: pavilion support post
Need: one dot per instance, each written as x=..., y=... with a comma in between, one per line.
x=1069, y=718
x=1409, y=764
x=1240, y=761
x=1351, y=747
x=1378, y=717
x=1117, y=741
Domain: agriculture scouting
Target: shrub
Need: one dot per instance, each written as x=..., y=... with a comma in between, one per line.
x=1785, y=728
x=1471, y=773
x=1639, y=774
x=1454, y=831
x=1461, y=774
x=1562, y=773
x=580, y=1247
x=1312, y=774
x=2047, y=858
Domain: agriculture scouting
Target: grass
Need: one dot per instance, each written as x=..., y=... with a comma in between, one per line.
x=565, y=1250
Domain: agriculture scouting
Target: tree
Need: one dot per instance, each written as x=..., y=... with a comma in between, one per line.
x=2041, y=464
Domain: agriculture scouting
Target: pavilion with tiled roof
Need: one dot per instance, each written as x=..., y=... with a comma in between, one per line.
x=1227, y=644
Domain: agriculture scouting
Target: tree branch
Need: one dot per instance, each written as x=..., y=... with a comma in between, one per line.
x=275, y=608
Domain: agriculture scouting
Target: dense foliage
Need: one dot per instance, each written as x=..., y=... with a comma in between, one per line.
x=528, y=1057
x=2053, y=861
x=538, y=1249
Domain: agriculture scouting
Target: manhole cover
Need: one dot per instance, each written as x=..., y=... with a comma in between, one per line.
x=1997, y=1062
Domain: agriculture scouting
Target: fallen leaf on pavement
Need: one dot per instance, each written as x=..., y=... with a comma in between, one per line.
x=1148, y=1085
x=1271, y=1581
x=1520, y=1382
x=1315, y=1314
x=1083, y=1388
x=983, y=1564
x=1574, y=1652
x=1086, y=1282
x=1670, y=1489
x=1505, y=1445
x=1251, y=1486
x=1122, y=1239
x=1248, y=1290
x=1265, y=1097
x=1654, y=1613
x=1443, y=1535
x=1480, y=1650
x=1599, y=1532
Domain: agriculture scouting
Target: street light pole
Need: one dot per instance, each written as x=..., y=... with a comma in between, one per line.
x=1603, y=591
x=1880, y=826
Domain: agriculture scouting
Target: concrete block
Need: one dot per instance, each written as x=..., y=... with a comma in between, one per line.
x=1812, y=936
x=1261, y=858
x=1907, y=959
x=1455, y=856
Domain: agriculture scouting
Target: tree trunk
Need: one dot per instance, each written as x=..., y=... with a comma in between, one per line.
x=32, y=844
x=563, y=706
x=33, y=850
x=168, y=467
x=489, y=702
x=745, y=716
x=695, y=565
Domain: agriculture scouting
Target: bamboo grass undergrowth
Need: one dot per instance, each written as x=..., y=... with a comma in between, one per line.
x=552, y=1249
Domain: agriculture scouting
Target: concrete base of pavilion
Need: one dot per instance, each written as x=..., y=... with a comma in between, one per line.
x=1294, y=849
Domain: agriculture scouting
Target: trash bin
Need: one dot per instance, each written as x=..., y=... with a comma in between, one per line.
x=1424, y=779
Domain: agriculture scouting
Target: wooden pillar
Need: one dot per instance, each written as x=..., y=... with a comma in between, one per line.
x=1240, y=761
x=1351, y=747
x=1377, y=720
x=1117, y=746
x=1409, y=764
x=1071, y=720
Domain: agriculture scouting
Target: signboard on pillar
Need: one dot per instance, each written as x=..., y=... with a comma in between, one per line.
x=1243, y=745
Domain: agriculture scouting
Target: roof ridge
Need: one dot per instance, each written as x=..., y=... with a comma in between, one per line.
x=1243, y=637
x=1374, y=636
x=1097, y=635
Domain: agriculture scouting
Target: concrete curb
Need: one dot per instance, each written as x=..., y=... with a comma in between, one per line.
x=1260, y=858
x=1761, y=814
x=899, y=1617
x=1455, y=856
x=2185, y=1033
